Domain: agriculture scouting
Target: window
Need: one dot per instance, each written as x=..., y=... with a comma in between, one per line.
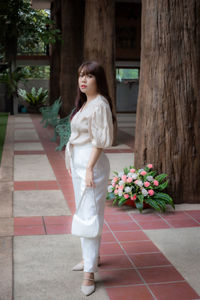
x=127, y=74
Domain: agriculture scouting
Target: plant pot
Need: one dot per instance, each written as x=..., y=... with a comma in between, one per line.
x=130, y=202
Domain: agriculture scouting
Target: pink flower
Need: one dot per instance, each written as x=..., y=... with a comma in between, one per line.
x=115, y=179
x=126, y=196
x=155, y=182
x=129, y=179
x=117, y=186
x=143, y=173
x=124, y=178
x=133, y=197
x=113, y=184
x=121, y=187
x=151, y=192
x=136, y=181
x=150, y=166
x=116, y=191
x=132, y=170
x=146, y=183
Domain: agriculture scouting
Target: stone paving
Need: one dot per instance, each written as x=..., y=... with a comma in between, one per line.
x=143, y=256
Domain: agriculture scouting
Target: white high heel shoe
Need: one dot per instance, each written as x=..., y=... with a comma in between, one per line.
x=80, y=266
x=88, y=289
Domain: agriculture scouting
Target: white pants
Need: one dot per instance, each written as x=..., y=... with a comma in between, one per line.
x=101, y=170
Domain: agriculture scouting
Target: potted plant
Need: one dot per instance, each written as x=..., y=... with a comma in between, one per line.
x=140, y=188
x=35, y=98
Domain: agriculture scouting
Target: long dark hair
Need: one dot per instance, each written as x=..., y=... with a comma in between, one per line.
x=94, y=68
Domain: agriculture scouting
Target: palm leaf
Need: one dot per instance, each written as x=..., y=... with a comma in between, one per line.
x=153, y=204
x=164, y=197
x=161, y=177
x=139, y=205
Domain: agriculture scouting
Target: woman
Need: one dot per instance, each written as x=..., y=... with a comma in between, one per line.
x=91, y=131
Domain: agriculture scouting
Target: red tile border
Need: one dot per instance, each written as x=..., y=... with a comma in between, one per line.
x=159, y=224
x=122, y=226
x=137, y=292
x=149, y=260
x=28, y=152
x=120, y=277
x=24, y=185
x=110, y=249
x=160, y=274
x=174, y=291
x=26, y=221
x=124, y=236
x=115, y=262
x=35, y=185
x=121, y=261
x=107, y=237
x=139, y=247
x=29, y=230
x=183, y=223
x=57, y=220
x=58, y=229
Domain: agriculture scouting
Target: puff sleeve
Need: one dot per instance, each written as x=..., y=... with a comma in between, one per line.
x=100, y=126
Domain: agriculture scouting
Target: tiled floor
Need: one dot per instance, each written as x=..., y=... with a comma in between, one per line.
x=132, y=266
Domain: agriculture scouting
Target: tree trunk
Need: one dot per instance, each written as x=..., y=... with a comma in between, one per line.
x=55, y=54
x=168, y=109
x=99, y=41
x=71, y=51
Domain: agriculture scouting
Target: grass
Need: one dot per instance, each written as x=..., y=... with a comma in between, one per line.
x=3, y=124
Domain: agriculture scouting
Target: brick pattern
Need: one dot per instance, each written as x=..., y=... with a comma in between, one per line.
x=131, y=264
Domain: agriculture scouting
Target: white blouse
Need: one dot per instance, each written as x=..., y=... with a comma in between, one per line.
x=91, y=125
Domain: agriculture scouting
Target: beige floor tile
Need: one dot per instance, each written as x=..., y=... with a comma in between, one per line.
x=43, y=269
x=6, y=268
x=32, y=167
x=28, y=146
x=40, y=203
x=25, y=135
x=6, y=226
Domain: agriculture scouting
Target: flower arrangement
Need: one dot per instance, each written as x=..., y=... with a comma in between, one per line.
x=141, y=186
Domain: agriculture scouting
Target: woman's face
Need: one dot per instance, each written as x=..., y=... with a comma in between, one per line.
x=87, y=83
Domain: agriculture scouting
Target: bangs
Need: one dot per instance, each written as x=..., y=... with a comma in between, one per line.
x=87, y=69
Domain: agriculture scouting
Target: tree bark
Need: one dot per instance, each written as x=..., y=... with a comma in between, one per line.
x=71, y=51
x=55, y=54
x=168, y=109
x=99, y=41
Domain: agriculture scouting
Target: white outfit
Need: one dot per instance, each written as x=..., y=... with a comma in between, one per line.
x=90, y=127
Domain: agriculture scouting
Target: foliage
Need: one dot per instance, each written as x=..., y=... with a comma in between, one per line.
x=34, y=98
x=31, y=28
x=141, y=186
x=3, y=124
x=36, y=71
x=11, y=79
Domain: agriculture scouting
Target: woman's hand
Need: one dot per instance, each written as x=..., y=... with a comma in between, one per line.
x=89, y=181
x=69, y=171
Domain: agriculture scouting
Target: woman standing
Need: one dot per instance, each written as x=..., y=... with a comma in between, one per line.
x=91, y=131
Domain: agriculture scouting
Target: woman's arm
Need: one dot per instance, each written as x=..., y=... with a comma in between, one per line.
x=91, y=163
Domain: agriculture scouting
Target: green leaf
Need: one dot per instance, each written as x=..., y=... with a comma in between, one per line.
x=161, y=177
x=164, y=197
x=153, y=204
x=162, y=204
x=115, y=201
x=111, y=195
x=152, y=173
x=126, y=170
x=163, y=185
x=141, y=198
x=122, y=201
x=139, y=205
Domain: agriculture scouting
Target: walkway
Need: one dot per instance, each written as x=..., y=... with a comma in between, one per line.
x=143, y=256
